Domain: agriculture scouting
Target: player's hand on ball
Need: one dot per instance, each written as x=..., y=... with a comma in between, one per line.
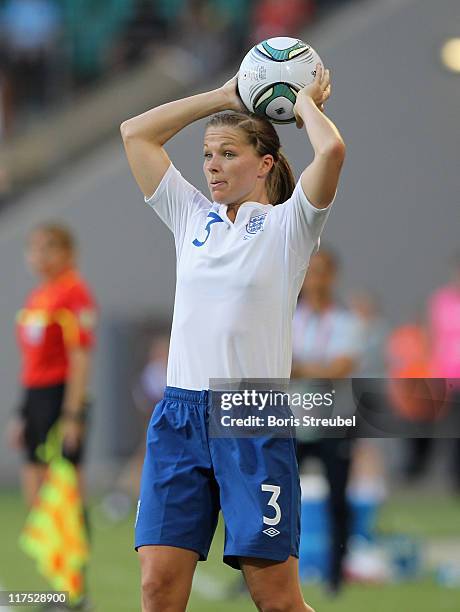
x=319, y=91
x=230, y=89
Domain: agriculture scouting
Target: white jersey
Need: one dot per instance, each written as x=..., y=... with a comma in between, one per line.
x=237, y=283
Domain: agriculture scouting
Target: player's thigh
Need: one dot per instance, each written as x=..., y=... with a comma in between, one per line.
x=274, y=585
x=168, y=569
x=179, y=498
x=259, y=496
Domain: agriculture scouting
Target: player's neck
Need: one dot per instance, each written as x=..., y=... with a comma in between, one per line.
x=258, y=194
x=232, y=210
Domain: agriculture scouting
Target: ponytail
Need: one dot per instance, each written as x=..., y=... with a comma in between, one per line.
x=280, y=181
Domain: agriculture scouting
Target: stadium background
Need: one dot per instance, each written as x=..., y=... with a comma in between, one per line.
x=395, y=225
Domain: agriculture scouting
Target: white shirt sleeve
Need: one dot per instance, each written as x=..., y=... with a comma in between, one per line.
x=175, y=201
x=302, y=222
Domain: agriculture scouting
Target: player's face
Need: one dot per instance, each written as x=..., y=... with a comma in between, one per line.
x=234, y=171
x=45, y=256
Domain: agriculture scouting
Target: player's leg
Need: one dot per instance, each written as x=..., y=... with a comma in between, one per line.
x=260, y=498
x=274, y=586
x=166, y=577
x=178, y=503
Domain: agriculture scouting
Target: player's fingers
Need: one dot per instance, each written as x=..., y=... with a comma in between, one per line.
x=326, y=93
x=319, y=73
x=326, y=79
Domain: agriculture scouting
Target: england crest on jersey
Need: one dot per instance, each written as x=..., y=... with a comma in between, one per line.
x=256, y=224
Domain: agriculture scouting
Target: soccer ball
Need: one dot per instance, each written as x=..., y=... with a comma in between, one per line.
x=272, y=73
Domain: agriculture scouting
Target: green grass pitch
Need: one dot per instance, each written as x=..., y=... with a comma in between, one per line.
x=114, y=572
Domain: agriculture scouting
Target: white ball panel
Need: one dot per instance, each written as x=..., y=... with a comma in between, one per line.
x=282, y=42
x=299, y=70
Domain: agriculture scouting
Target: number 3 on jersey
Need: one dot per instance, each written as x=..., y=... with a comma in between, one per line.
x=275, y=490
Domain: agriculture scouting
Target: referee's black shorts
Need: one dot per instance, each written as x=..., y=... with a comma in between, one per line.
x=40, y=409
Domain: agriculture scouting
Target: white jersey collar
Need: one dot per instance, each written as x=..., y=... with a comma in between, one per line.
x=242, y=216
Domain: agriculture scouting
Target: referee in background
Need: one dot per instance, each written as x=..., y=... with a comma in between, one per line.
x=55, y=332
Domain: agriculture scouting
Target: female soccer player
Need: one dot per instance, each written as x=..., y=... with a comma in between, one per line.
x=241, y=260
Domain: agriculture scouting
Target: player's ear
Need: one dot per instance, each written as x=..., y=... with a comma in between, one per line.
x=266, y=164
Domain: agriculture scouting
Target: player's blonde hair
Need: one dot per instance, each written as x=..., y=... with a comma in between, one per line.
x=261, y=134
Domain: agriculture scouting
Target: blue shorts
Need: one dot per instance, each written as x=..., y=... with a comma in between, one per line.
x=188, y=477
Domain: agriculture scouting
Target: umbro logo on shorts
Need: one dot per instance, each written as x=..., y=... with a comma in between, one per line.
x=271, y=531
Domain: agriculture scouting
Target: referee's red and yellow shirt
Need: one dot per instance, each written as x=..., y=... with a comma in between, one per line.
x=57, y=316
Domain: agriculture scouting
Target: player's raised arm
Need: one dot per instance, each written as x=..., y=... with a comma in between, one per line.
x=319, y=180
x=145, y=135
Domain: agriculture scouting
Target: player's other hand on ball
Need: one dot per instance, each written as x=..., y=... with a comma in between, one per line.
x=230, y=89
x=319, y=91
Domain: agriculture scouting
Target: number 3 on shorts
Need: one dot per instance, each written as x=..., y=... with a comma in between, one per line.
x=275, y=490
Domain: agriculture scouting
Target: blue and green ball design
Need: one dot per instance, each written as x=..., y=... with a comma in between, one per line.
x=282, y=55
x=276, y=101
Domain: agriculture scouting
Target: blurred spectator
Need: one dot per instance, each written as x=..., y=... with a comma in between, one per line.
x=375, y=331
x=327, y=344
x=444, y=326
x=273, y=18
x=444, y=335
x=408, y=358
x=206, y=35
x=170, y=10
x=30, y=32
x=152, y=382
x=407, y=351
x=141, y=33
x=55, y=330
x=6, y=106
x=235, y=16
x=147, y=392
x=327, y=336
x=55, y=334
x=368, y=472
x=92, y=29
